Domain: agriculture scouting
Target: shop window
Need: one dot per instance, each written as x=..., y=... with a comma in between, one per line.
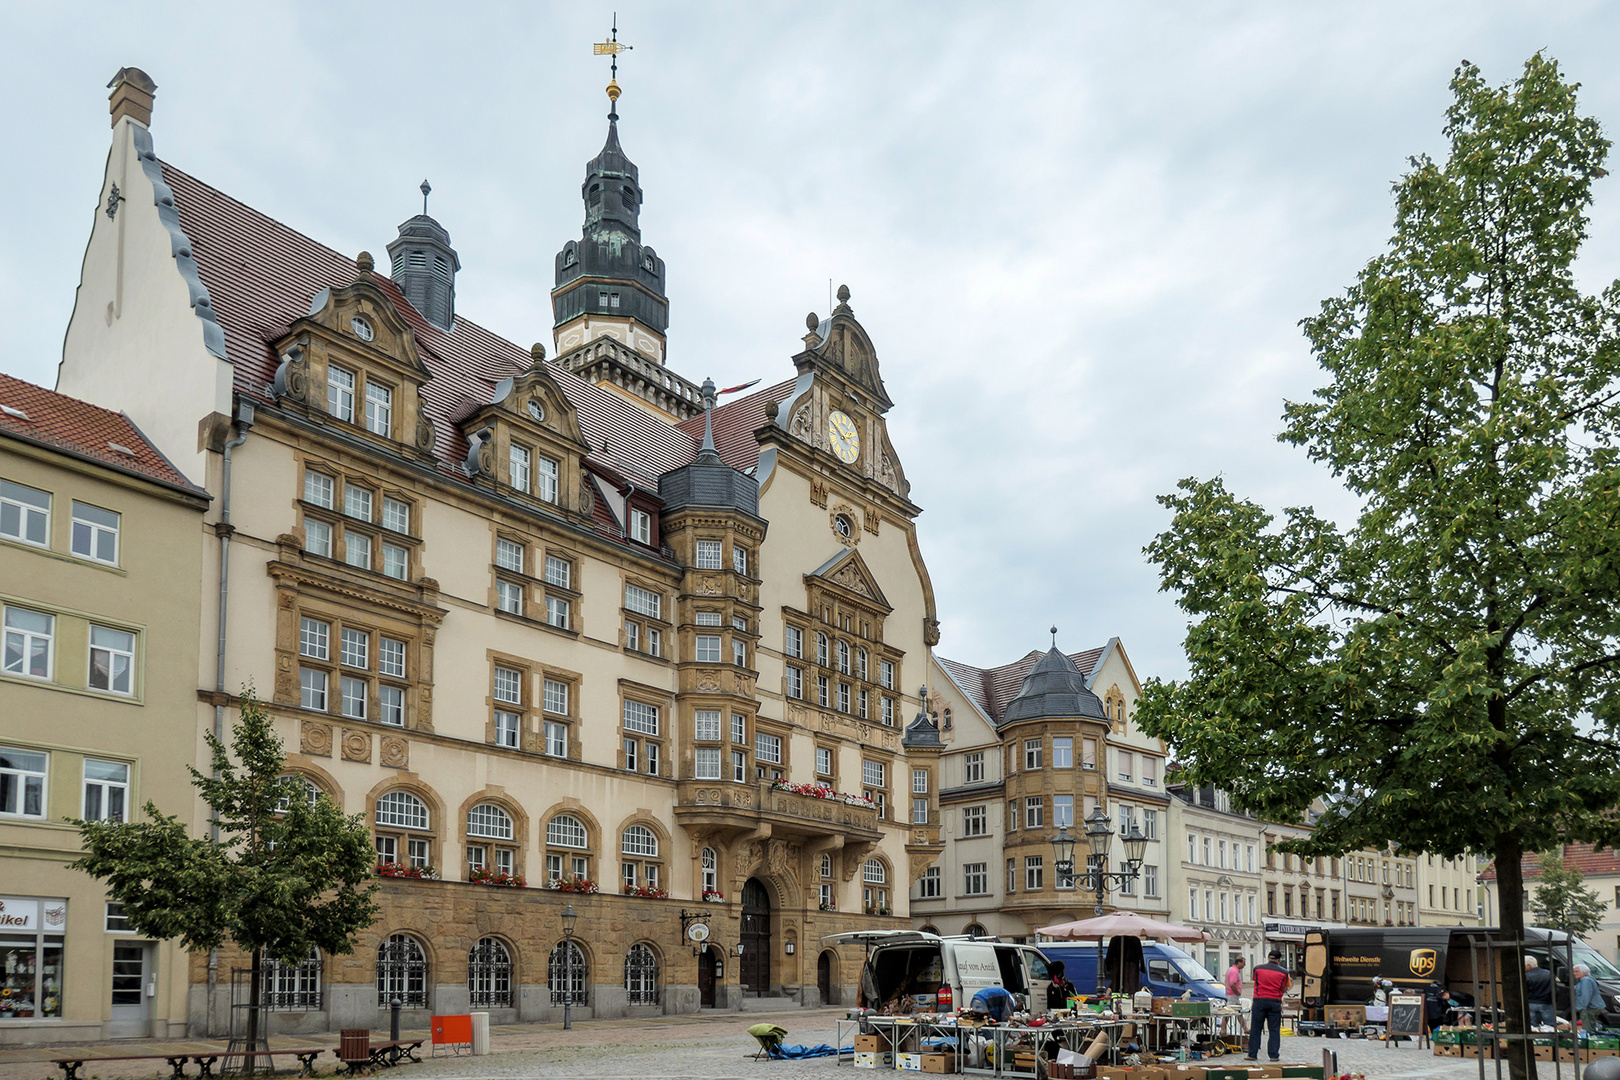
x=489, y=975
x=31, y=962
x=402, y=973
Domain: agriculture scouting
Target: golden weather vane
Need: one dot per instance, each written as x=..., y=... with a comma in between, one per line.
x=612, y=47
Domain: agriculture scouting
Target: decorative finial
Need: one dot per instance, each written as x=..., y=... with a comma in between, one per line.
x=1054, y=637
x=843, y=294
x=537, y=354
x=812, y=321
x=426, y=188
x=364, y=263
x=612, y=47
x=772, y=408
x=708, y=414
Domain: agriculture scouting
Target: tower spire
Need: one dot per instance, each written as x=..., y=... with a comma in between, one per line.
x=612, y=47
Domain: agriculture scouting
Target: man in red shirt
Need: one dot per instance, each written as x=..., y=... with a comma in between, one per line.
x=1270, y=983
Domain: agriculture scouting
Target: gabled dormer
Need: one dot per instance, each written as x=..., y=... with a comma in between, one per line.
x=528, y=443
x=353, y=362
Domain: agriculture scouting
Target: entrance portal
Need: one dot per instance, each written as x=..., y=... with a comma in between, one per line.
x=755, y=961
x=824, y=977
x=708, y=970
x=129, y=1017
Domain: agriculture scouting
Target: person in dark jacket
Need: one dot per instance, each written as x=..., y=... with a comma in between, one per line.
x=1538, y=991
x=1061, y=990
x=1271, y=981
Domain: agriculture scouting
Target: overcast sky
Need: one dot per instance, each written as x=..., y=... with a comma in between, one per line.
x=1081, y=235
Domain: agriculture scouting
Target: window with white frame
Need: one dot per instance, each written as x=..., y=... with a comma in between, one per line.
x=507, y=690
x=975, y=879
x=639, y=867
x=767, y=748
x=509, y=596
x=793, y=642
x=1150, y=771
x=22, y=782
x=340, y=393
x=1062, y=811
x=739, y=559
x=357, y=502
x=401, y=820
x=886, y=677
x=706, y=648
x=379, y=409
x=25, y=514
x=510, y=555
x=518, y=467
x=1032, y=754
x=112, y=660
x=709, y=862
x=973, y=767
x=567, y=833
x=545, y=479
x=396, y=516
x=928, y=886
x=1034, y=812
x=1150, y=880
x=919, y=781
x=642, y=606
x=106, y=790
x=1150, y=827
x=29, y=636
x=824, y=761
x=1062, y=753
x=319, y=489
x=95, y=533
x=1034, y=873
x=708, y=555
x=1127, y=765
x=974, y=821
x=641, y=526
x=1088, y=753
x=643, y=749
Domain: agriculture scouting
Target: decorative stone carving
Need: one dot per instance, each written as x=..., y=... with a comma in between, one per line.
x=886, y=475
x=426, y=434
x=919, y=862
x=708, y=587
x=855, y=857
x=708, y=682
x=587, y=501
x=800, y=426
x=706, y=797
x=292, y=377
x=784, y=861
x=871, y=520
x=315, y=739
x=850, y=577
x=819, y=492
x=486, y=460
x=749, y=858
x=797, y=715
x=356, y=745
x=396, y=752
x=844, y=510
x=930, y=632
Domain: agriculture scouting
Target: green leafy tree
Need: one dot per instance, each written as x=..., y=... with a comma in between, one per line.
x=1442, y=670
x=283, y=873
x=1562, y=901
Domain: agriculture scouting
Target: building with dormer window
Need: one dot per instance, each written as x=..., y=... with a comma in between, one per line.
x=565, y=630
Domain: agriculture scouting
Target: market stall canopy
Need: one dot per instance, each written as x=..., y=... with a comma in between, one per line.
x=1121, y=924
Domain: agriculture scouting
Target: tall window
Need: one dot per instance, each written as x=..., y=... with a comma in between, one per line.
x=710, y=871
x=973, y=767
x=25, y=514
x=1032, y=754
x=508, y=694
x=708, y=555
x=545, y=479
x=641, y=526
x=112, y=660
x=293, y=987
x=28, y=637
x=401, y=821
x=641, y=975
x=95, y=533
x=379, y=409
x=973, y=821
x=22, y=782
x=928, y=888
x=518, y=467
x=106, y=790
x=489, y=975
x=566, y=974
x=1062, y=811
x=975, y=878
x=401, y=972
x=340, y=393
x=565, y=831
x=1063, y=753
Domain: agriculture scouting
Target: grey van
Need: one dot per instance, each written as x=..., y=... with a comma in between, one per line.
x=941, y=974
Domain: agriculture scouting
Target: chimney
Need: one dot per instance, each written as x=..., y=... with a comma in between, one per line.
x=131, y=96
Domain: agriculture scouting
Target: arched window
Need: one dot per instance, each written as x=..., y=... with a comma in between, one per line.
x=975, y=930
x=490, y=822
x=398, y=814
x=641, y=975
x=930, y=928
x=312, y=793
x=489, y=975
x=402, y=972
x=875, y=873
x=711, y=871
x=640, y=867
x=567, y=831
x=293, y=987
x=566, y=974
x=875, y=894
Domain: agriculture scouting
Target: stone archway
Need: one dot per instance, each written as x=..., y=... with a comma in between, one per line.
x=826, y=976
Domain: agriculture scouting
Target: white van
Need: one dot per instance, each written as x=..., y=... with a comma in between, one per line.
x=941, y=974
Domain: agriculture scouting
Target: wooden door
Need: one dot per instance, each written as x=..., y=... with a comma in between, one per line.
x=755, y=970
x=824, y=978
x=708, y=961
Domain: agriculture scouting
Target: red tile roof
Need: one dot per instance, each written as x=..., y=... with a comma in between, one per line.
x=261, y=276
x=1582, y=857
x=992, y=688
x=735, y=423
x=78, y=427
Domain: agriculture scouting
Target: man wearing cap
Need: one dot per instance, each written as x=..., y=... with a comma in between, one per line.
x=1270, y=983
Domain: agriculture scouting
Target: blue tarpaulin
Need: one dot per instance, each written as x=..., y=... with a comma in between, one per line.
x=819, y=1050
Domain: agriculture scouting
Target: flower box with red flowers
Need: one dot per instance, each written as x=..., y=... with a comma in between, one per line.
x=483, y=876
x=643, y=890
x=573, y=884
x=405, y=870
x=714, y=896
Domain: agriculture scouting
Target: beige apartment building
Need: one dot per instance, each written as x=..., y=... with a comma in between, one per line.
x=1216, y=882
x=99, y=599
x=1448, y=892
x=566, y=638
x=1030, y=748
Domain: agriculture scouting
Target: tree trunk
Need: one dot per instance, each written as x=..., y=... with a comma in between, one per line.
x=1510, y=889
x=257, y=969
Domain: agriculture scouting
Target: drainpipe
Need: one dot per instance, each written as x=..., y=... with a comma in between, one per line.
x=223, y=529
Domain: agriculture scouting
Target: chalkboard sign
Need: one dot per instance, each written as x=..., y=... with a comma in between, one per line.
x=1405, y=1016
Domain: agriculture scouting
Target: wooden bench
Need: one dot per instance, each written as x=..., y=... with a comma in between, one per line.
x=306, y=1059
x=387, y=1053
x=70, y=1065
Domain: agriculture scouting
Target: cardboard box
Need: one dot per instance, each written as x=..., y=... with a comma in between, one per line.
x=1161, y=1005
x=1307, y=1072
x=938, y=1063
x=865, y=1059
x=875, y=1043
x=1189, y=1008
x=908, y=1062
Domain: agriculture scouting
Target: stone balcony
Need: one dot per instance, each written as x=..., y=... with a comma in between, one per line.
x=710, y=805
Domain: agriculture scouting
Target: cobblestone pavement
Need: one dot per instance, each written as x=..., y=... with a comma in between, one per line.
x=703, y=1047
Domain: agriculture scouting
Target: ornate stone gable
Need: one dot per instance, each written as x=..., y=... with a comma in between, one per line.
x=849, y=572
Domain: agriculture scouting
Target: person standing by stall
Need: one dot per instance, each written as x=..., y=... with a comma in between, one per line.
x=1234, y=989
x=1588, y=1001
x=1538, y=988
x=1271, y=981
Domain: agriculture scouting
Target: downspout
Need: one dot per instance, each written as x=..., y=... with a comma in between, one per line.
x=223, y=529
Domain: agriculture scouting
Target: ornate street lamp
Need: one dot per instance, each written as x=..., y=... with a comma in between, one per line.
x=569, y=919
x=1063, y=856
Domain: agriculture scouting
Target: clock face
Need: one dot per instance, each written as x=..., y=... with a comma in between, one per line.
x=698, y=931
x=846, y=442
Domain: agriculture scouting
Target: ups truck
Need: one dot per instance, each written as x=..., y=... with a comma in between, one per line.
x=1341, y=965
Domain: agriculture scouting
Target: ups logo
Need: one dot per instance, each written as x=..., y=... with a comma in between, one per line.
x=1423, y=962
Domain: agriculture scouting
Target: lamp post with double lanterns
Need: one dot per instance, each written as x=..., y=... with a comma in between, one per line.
x=569, y=919
x=1097, y=878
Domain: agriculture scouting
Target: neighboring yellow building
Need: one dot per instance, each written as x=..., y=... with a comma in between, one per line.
x=100, y=567
x=536, y=620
